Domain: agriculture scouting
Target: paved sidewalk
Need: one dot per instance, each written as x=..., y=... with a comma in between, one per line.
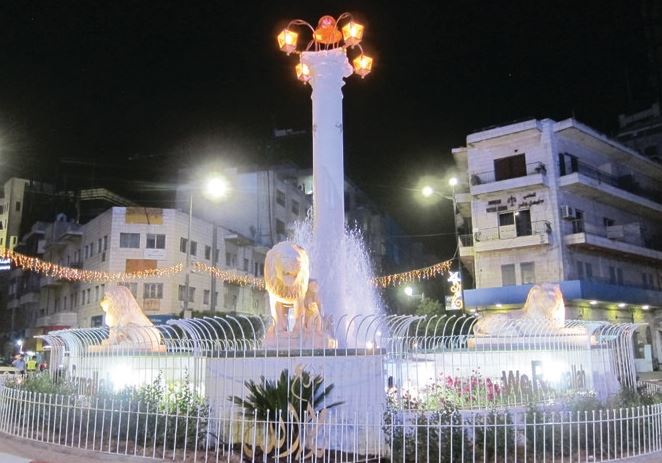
x=16, y=450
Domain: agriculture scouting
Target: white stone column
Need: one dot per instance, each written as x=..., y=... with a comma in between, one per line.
x=328, y=68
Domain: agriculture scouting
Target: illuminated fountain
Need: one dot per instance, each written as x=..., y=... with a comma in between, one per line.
x=338, y=262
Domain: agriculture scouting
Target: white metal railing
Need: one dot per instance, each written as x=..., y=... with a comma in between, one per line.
x=192, y=435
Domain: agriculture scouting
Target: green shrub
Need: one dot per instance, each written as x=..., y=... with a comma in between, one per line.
x=285, y=407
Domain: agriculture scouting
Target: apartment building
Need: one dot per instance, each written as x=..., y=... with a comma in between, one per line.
x=559, y=202
x=133, y=239
x=262, y=204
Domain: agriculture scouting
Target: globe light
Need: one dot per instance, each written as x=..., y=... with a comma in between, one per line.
x=645, y=307
x=427, y=191
x=216, y=188
x=287, y=41
x=303, y=72
x=409, y=291
x=621, y=305
x=452, y=181
x=362, y=65
x=352, y=33
x=326, y=32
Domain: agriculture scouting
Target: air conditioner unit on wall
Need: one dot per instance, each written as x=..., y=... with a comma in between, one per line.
x=567, y=213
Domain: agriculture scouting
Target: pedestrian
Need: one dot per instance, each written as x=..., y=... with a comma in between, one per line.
x=31, y=364
x=19, y=364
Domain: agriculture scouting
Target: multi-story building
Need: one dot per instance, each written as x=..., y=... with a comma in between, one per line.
x=25, y=208
x=262, y=204
x=559, y=202
x=134, y=239
x=642, y=131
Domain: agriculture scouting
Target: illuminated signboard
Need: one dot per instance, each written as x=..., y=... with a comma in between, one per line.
x=5, y=264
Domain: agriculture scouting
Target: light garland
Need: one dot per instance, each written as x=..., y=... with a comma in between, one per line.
x=230, y=276
x=413, y=275
x=60, y=272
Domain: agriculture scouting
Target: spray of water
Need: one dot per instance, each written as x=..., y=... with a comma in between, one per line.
x=351, y=261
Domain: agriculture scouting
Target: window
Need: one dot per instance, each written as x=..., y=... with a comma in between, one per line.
x=182, y=244
x=508, y=275
x=568, y=164
x=96, y=321
x=182, y=291
x=615, y=275
x=18, y=206
x=133, y=287
x=129, y=240
x=280, y=227
x=96, y=293
x=294, y=206
x=510, y=167
x=528, y=272
x=207, y=252
x=607, y=222
x=245, y=265
x=153, y=291
x=523, y=223
x=228, y=259
x=506, y=219
x=194, y=248
x=205, y=296
x=155, y=241
x=88, y=291
x=280, y=198
x=589, y=271
x=580, y=270
x=99, y=244
x=105, y=243
x=578, y=222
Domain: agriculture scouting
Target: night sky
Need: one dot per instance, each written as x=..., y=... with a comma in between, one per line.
x=141, y=89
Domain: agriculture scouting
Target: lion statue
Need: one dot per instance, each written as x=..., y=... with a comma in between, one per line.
x=286, y=276
x=543, y=303
x=293, y=297
x=127, y=324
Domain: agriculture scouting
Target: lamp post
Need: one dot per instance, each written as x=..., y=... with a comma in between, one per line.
x=324, y=65
x=457, y=283
x=215, y=188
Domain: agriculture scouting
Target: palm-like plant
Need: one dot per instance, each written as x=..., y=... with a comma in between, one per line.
x=269, y=400
x=288, y=406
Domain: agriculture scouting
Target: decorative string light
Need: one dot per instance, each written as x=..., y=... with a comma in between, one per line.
x=60, y=272
x=413, y=275
x=230, y=276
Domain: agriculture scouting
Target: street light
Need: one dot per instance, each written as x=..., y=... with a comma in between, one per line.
x=427, y=191
x=215, y=188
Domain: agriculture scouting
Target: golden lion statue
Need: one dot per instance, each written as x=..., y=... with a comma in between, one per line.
x=127, y=324
x=543, y=303
x=293, y=296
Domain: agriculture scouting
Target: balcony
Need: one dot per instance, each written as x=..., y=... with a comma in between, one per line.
x=65, y=232
x=628, y=240
x=59, y=319
x=620, y=191
x=50, y=282
x=466, y=251
x=508, y=237
x=483, y=183
x=29, y=298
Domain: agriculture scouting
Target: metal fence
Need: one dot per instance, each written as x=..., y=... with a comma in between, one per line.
x=196, y=435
